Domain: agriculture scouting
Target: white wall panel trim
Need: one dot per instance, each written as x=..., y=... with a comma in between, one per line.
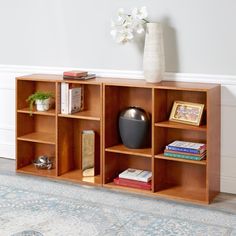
x=18, y=70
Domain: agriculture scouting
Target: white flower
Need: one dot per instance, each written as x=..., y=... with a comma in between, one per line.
x=125, y=35
x=140, y=13
x=121, y=15
x=139, y=28
x=124, y=28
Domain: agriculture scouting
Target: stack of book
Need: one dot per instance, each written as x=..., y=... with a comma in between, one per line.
x=72, y=98
x=135, y=178
x=77, y=75
x=186, y=150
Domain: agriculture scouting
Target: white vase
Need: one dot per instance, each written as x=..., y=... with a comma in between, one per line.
x=153, y=57
x=42, y=105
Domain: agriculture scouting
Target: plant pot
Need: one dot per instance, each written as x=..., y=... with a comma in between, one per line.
x=42, y=105
x=134, y=124
x=153, y=57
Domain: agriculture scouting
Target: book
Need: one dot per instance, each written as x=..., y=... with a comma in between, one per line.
x=190, y=157
x=75, y=100
x=64, y=98
x=59, y=99
x=89, y=76
x=88, y=152
x=188, y=147
x=133, y=183
x=72, y=98
x=75, y=73
x=135, y=174
x=185, y=153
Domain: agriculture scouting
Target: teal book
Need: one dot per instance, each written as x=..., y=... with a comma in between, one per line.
x=176, y=155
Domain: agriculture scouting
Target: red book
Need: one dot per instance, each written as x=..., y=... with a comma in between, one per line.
x=75, y=73
x=133, y=183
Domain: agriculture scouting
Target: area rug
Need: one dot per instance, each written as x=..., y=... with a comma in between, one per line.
x=35, y=206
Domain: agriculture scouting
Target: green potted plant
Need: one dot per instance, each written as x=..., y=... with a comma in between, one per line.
x=41, y=100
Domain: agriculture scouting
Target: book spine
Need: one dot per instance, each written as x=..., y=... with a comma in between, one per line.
x=180, y=149
x=70, y=101
x=132, y=184
x=64, y=98
x=168, y=154
x=58, y=105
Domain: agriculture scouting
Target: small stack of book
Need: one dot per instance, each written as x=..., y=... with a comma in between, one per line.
x=186, y=150
x=77, y=75
x=135, y=178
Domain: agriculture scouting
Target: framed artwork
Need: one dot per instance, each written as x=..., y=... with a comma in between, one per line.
x=187, y=113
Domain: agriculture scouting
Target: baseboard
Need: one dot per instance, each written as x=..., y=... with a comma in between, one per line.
x=227, y=185
x=18, y=70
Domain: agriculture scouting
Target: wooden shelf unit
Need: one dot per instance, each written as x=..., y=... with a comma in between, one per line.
x=181, y=179
x=58, y=135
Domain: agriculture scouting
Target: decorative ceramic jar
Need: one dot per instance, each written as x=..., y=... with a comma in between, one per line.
x=153, y=58
x=134, y=123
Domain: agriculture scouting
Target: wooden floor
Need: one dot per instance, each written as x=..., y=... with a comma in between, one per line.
x=224, y=201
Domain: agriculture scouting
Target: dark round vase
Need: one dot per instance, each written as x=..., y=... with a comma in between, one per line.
x=134, y=125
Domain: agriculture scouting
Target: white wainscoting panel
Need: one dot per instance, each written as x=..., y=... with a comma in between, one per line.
x=228, y=110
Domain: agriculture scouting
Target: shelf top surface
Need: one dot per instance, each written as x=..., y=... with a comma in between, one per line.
x=124, y=82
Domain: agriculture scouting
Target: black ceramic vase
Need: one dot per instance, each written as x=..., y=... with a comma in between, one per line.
x=134, y=125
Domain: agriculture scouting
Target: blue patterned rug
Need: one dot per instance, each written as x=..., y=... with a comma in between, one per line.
x=34, y=206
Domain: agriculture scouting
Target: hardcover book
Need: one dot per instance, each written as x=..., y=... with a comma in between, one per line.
x=87, y=77
x=64, y=98
x=72, y=98
x=135, y=174
x=75, y=73
x=75, y=100
x=189, y=147
x=190, y=157
x=133, y=183
x=185, y=153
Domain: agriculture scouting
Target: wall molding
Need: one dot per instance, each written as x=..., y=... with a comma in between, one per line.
x=18, y=70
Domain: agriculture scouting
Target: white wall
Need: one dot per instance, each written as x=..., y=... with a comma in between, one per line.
x=199, y=35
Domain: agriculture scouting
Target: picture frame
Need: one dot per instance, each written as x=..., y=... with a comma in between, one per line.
x=187, y=113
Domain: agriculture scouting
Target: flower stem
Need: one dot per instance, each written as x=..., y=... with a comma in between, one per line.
x=146, y=21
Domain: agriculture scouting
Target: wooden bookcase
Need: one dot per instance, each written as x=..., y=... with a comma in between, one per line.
x=59, y=135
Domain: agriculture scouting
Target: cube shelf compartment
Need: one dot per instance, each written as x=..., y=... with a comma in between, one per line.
x=54, y=134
